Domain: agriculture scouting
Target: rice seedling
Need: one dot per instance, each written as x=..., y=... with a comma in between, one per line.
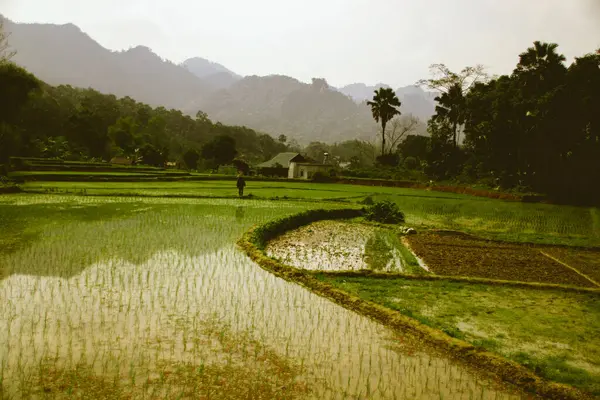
x=149, y=298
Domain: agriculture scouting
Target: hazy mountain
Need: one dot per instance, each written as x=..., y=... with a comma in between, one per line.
x=361, y=92
x=63, y=54
x=414, y=100
x=283, y=105
x=218, y=76
x=417, y=101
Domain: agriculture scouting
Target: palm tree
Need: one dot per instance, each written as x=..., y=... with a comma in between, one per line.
x=540, y=55
x=541, y=67
x=384, y=109
x=451, y=107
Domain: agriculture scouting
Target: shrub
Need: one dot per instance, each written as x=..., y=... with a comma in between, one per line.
x=389, y=160
x=368, y=201
x=411, y=163
x=385, y=212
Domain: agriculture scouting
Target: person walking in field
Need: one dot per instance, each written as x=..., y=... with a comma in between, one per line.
x=241, y=183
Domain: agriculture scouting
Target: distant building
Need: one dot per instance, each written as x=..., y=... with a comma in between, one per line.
x=292, y=165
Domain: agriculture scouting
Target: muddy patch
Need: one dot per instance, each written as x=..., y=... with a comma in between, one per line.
x=324, y=245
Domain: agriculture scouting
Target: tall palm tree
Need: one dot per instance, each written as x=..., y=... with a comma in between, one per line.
x=384, y=108
x=540, y=55
x=541, y=67
x=451, y=107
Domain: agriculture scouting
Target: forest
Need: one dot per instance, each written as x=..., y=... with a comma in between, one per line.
x=39, y=120
x=536, y=129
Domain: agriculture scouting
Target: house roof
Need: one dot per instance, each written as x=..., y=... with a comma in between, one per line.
x=282, y=159
x=313, y=164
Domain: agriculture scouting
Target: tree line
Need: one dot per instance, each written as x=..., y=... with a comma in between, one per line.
x=39, y=120
x=537, y=129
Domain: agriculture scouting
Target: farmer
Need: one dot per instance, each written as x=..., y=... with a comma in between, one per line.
x=240, y=184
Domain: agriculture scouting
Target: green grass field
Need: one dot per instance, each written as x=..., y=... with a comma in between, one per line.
x=501, y=220
x=554, y=333
x=137, y=290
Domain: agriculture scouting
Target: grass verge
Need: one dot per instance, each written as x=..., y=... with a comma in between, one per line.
x=385, y=247
x=523, y=324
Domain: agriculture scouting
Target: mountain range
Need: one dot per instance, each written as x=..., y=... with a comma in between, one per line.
x=276, y=104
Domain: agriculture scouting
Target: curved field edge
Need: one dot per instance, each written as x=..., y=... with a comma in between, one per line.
x=254, y=240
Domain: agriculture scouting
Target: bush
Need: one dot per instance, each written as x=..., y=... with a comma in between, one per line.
x=368, y=201
x=388, y=160
x=385, y=212
x=411, y=163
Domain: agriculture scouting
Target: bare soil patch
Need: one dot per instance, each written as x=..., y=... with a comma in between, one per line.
x=458, y=254
x=585, y=261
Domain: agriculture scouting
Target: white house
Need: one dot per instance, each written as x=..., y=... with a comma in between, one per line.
x=292, y=165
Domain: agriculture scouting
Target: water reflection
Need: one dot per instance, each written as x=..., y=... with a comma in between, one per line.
x=127, y=318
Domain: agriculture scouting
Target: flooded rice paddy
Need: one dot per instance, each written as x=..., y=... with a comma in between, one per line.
x=344, y=246
x=151, y=299
x=324, y=245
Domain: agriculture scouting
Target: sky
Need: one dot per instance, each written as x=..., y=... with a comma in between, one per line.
x=343, y=41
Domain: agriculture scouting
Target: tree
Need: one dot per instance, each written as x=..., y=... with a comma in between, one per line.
x=242, y=166
x=282, y=139
x=443, y=79
x=415, y=146
x=384, y=108
x=400, y=127
x=539, y=57
x=540, y=68
x=16, y=84
x=317, y=150
x=123, y=134
x=190, y=158
x=451, y=107
x=219, y=151
x=150, y=155
x=202, y=117
x=452, y=88
x=5, y=53
x=54, y=147
x=359, y=153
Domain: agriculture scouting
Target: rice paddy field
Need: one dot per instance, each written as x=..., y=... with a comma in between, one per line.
x=501, y=220
x=137, y=290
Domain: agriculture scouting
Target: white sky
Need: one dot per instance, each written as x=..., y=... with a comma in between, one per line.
x=344, y=41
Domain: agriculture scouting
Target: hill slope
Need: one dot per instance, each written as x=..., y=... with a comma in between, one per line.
x=414, y=100
x=283, y=105
x=63, y=54
x=276, y=104
x=219, y=76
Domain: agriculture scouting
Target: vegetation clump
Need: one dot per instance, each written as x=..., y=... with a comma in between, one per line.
x=385, y=212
